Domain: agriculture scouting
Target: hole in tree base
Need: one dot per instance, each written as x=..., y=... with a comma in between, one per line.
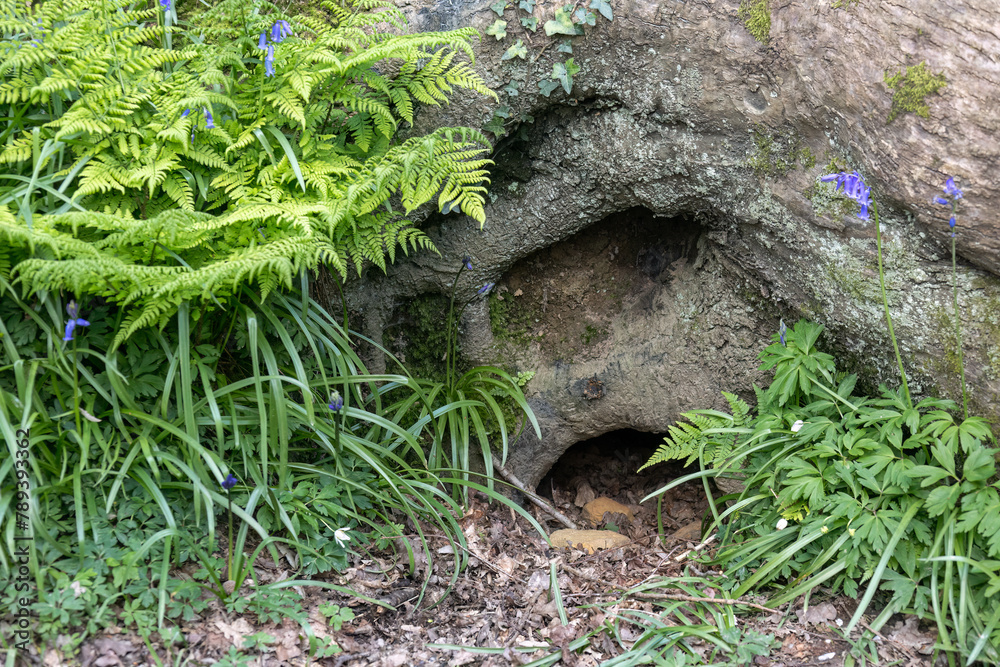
x=606, y=467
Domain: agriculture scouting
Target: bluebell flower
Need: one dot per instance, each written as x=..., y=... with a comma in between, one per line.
x=336, y=401
x=74, y=321
x=951, y=189
x=854, y=187
x=165, y=4
x=782, y=330
x=269, y=61
x=262, y=44
x=229, y=482
x=186, y=112
x=208, y=119
x=485, y=289
x=279, y=31
x=468, y=262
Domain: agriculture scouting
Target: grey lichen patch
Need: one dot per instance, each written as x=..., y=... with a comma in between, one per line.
x=909, y=89
x=778, y=153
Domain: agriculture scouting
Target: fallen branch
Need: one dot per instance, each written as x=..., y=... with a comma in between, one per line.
x=532, y=496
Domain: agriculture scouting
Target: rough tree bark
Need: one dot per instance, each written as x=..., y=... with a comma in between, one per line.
x=680, y=165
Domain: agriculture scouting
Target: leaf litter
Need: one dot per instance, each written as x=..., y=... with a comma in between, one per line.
x=505, y=599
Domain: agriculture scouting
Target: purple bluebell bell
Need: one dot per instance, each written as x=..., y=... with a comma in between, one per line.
x=485, y=289
x=74, y=320
x=782, y=330
x=951, y=189
x=262, y=44
x=854, y=187
x=186, y=112
x=269, y=61
x=229, y=482
x=336, y=401
x=280, y=30
x=165, y=4
x=208, y=119
x=467, y=261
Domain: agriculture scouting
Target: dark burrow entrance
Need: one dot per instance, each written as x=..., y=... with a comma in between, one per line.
x=605, y=467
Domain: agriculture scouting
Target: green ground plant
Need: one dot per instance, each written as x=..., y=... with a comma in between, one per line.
x=857, y=494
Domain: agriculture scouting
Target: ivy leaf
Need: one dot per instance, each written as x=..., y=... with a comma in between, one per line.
x=499, y=6
x=498, y=29
x=495, y=126
x=530, y=22
x=603, y=6
x=564, y=74
x=511, y=88
x=583, y=16
x=565, y=47
x=547, y=86
x=563, y=24
x=527, y=5
x=518, y=50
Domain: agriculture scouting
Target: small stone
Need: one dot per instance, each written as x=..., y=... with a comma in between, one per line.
x=689, y=533
x=596, y=508
x=588, y=540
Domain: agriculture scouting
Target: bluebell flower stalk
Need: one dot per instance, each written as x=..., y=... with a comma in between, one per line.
x=952, y=195
x=227, y=485
x=853, y=186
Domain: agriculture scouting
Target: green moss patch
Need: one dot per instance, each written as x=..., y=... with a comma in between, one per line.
x=910, y=87
x=756, y=15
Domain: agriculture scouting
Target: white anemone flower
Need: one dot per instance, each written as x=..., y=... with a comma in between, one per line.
x=797, y=426
x=341, y=536
x=782, y=524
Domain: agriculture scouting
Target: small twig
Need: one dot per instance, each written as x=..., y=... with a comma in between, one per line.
x=692, y=598
x=533, y=497
x=698, y=548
